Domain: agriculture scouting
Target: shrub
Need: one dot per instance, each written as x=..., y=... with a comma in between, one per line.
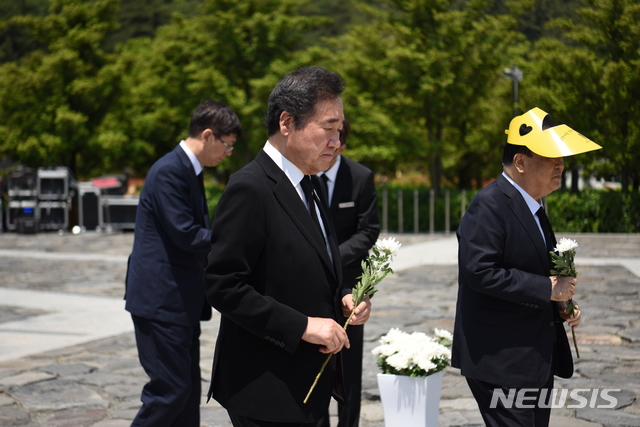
x=595, y=211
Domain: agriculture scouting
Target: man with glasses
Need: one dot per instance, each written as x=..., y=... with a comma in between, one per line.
x=164, y=284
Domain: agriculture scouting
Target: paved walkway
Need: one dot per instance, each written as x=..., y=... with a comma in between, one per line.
x=68, y=356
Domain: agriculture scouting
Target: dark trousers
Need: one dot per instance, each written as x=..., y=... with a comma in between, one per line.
x=239, y=421
x=170, y=355
x=500, y=416
x=349, y=411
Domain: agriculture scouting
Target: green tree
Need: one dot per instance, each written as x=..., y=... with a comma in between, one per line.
x=141, y=18
x=422, y=60
x=15, y=42
x=592, y=81
x=566, y=82
x=52, y=100
x=226, y=53
x=371, y=102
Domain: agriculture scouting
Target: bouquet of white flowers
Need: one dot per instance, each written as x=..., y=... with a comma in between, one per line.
x=564, y=265
x=415, y=354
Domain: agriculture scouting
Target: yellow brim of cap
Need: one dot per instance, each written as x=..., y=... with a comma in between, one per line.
x=558, y=141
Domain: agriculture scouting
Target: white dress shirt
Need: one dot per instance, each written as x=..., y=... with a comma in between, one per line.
x=295, y=175
x=192, y=157
x=532, y=203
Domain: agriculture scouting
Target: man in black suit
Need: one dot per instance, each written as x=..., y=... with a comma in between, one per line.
x=274, y=268
x=353, y=208
x=164, y=284
x=508, y=334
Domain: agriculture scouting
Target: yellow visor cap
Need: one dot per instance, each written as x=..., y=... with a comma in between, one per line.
x=556, y=141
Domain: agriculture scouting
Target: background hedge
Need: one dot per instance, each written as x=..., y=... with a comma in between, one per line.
x=590, y=211
x=595, y=211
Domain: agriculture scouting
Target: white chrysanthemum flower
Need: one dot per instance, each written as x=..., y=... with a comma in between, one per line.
x=398, y=361
x=394, y=335
x=565, y=245
x=390, y=245
x=417, y=352
x=443, y=333
x=384, y=350
x=425, y=364
x=431, y=350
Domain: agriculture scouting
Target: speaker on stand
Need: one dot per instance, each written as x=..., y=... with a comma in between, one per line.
x=22, y=202
x=55, y=186
x=89, y=212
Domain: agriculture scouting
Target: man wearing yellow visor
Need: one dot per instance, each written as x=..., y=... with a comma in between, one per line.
x=509, y=338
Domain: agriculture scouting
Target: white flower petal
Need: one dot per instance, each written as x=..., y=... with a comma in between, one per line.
x=389, y=245
x=426, y=364
x=565, y=245
x=443, y=333
x=398, y=361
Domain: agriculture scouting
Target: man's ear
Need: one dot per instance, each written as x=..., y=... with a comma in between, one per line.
x=518, y=162
x=206, y=134
x=286, y=123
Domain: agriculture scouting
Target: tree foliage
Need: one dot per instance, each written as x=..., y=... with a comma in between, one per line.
x=53, y=100
x=222, y=53
x=99, y=85
x=15, y=42
x=591, y=83
x=420, y=65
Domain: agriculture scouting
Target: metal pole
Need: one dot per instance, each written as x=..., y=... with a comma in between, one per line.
x=515, y=97
x=515, y=74
x=447, y=208
x=432, y=203
x=400, y=213
x=463, y=202
x=385, y=211
x=416, y=213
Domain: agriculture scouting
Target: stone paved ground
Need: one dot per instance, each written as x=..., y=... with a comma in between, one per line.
x=98, y=383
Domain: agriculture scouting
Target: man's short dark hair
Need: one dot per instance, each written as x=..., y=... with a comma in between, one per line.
x=215, y=116
x=511, y=150
x=298, y=92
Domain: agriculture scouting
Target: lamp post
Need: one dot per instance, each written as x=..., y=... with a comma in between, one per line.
x=515, y=74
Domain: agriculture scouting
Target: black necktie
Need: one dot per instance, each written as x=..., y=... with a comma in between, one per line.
x=546, y=228
x=201, y=181
x=307, y=188
x=325, y=183
x=204, y=197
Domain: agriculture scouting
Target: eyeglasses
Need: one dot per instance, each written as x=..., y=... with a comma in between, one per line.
x=227, y=146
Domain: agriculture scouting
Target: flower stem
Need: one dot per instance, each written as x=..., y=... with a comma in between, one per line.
x=575, y=344
x=570, y=309
x=326, y=360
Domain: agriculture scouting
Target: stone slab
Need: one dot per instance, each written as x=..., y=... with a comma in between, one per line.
x=77, y=319
x=10, y=417
x=57, y=395
x=609, y=417
x=26, y=378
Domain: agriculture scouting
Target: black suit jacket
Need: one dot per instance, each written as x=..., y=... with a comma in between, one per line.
x=354, y=211
x=268, y=271
x=506, y=325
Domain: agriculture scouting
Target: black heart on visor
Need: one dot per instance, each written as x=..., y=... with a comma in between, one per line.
x=524, y=129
